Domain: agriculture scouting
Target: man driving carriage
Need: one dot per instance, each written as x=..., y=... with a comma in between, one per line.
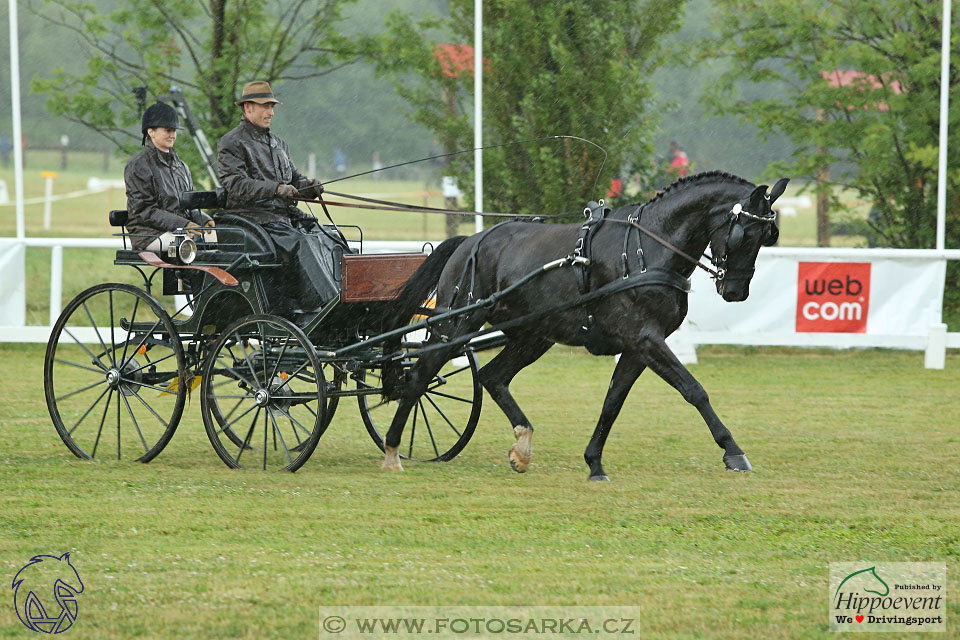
x=261, y=183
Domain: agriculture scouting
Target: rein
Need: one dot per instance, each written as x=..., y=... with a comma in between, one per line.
x=387, y=205
x=631, y=221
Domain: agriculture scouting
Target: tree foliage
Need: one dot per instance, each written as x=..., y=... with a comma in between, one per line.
x=550, y=68
x=877, y=130
x=208, y=49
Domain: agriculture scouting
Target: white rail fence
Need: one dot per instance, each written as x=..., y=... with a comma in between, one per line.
x=811, y=297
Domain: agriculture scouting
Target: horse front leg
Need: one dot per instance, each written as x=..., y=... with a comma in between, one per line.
x=496, y=376
x=664, y=363
x=628, y=369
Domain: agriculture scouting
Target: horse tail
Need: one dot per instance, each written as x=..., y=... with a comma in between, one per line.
x=407, y=304
x=424, y=280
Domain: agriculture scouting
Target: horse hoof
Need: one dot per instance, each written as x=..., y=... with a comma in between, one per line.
x=601, y=478
x=391, y=467
x=518, y=462
x=737, y=463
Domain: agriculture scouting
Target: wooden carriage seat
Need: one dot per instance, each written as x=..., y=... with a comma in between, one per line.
x=377, y=277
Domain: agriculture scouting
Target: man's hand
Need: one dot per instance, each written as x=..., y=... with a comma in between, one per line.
x=286, y=191
x=312, y=184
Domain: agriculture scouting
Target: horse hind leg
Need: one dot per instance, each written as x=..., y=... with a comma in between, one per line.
x=496, y=376
x=628, y=369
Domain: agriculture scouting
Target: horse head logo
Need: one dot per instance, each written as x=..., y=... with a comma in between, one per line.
x=46, y=580
x=868, y=578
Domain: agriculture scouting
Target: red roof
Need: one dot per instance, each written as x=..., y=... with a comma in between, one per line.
x=849, y=77
x=860, y=80
x=454, y=59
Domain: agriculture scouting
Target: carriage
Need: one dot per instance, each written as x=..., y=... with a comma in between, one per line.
x=123, y=360
x=120, y=366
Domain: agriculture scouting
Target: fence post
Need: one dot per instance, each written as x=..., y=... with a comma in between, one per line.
x=48, y=196
x=56, y=282
x=935, y=356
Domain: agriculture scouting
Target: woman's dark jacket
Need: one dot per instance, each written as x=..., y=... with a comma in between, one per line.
x=154, y=181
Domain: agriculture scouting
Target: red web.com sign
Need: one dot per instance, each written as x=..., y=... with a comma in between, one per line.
x=833, y=297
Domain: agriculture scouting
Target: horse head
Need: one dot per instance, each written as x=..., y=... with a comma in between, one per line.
x=748, y=225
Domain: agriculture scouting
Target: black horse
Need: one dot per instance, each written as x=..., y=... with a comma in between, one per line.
x=649, y=248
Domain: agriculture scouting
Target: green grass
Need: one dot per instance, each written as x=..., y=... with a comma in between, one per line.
x=854, y=454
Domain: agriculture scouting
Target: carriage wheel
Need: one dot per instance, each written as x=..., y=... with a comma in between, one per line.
x=113, y=375
x=263, y=395
x=334, y=376
x=444, y=419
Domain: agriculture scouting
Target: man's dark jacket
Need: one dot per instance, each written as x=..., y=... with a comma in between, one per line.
x=154, y=181
x=252, y=163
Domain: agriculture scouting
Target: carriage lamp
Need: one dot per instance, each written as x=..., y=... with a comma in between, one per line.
x=183, y=248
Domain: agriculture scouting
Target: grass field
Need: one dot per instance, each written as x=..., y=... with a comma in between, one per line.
x=855, y=457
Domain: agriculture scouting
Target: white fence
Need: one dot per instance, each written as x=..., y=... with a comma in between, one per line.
x=799, y=297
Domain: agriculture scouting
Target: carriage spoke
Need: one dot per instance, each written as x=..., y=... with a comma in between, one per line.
x=276, y=430
x=426, y=422
x=113, y=339
x=442, y=414
x=149, y=408
x=296, y=422
x=79, y=366
x=246, y=441
x=84, y=347
x=103, y=419
x=227, y=425
x=135, y=423
x=265, y=430
x=87, y=412
x=133, y=319
x=142, y=342
x=276, y=366
x=413, y=429
x=141, y=383
x=296, y=372
x=96, y=330
x=149, y=362
x=447, y=395
x=119, y=393
x=246, y=358
x=81, y=389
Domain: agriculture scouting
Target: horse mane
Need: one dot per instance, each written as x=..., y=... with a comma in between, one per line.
x=688, y=181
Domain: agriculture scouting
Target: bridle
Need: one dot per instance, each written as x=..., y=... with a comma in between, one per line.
x=735, y=235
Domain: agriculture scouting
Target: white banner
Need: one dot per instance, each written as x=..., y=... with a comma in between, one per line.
x=13, y=297
x=795, y=296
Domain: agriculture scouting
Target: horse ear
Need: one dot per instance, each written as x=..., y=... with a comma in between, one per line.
x=778, y=189
x=757, y=196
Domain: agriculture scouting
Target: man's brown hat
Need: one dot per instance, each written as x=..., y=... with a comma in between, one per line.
x=259, y=92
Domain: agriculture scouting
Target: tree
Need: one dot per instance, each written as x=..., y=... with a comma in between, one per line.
x=859, y=95
x=550, y=68
x=208, y=49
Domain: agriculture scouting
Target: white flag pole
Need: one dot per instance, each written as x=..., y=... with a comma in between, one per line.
x=944, y=116
x=478, y=112
x=15, y=110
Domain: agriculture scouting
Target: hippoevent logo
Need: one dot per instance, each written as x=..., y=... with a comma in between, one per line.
x=45, y=594
x=833, y=297
x=891, y=596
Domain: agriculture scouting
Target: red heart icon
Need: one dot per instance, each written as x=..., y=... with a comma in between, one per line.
x=859, y=618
